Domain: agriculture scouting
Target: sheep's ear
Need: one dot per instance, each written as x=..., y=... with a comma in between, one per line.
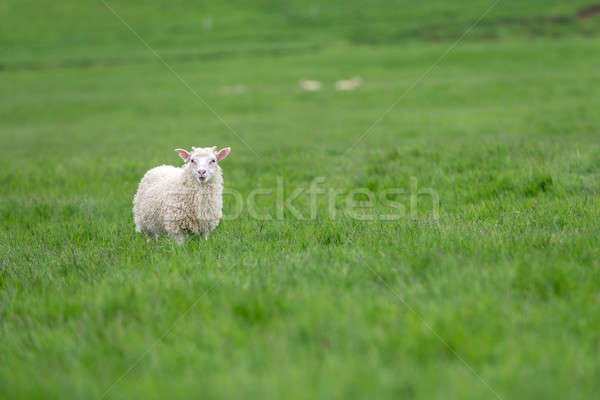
x=223, y=153
x=183, y=154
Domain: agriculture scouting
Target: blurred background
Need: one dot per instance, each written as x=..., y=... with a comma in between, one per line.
x=43, y=34
x=491, y=103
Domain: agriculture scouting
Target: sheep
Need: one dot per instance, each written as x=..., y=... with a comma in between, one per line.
x=180, y=201
x=349, y=84
x=310, y=86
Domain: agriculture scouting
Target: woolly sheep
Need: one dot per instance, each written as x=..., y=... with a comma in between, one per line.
x=180, y=201
x=310, y=86
x=349, y=84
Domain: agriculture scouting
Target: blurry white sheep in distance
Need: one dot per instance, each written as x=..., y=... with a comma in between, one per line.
x=310, y=86
x=349, y=84
x=182, y=201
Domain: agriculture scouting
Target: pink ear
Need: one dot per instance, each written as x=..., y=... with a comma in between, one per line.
x=223, y=153
x=183, y=154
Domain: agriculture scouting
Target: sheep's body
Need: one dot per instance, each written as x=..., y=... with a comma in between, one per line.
x=310, y=86
x=349, y=84
x=172, y=201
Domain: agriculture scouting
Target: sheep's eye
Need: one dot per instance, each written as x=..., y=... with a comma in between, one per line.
x=194, y=161
x=212, y=161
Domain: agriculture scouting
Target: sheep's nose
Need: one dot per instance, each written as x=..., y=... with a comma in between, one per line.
x=201, y=171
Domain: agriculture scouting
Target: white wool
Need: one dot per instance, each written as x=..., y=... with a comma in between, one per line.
x=310, y=86
x=173, y=201
x=349, y=84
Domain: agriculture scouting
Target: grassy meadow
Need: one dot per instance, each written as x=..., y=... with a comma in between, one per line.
x=496, y=296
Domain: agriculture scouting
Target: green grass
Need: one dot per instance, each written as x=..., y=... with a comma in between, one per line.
x=505, y=129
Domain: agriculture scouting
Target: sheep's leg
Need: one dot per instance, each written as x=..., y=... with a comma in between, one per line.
x=205, y=235
x=179, y=238
x=178, y=235
x=174, y=228
x=147, y=234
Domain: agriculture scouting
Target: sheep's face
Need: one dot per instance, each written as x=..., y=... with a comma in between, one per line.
x=203, y=162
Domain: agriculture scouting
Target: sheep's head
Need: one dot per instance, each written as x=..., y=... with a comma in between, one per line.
x=203, y=161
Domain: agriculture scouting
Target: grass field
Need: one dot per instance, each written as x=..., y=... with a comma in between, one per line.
x=495, y=296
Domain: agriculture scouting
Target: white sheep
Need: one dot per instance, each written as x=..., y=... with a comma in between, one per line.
x=180, y=201
x=310, y=86
x=349, y=84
